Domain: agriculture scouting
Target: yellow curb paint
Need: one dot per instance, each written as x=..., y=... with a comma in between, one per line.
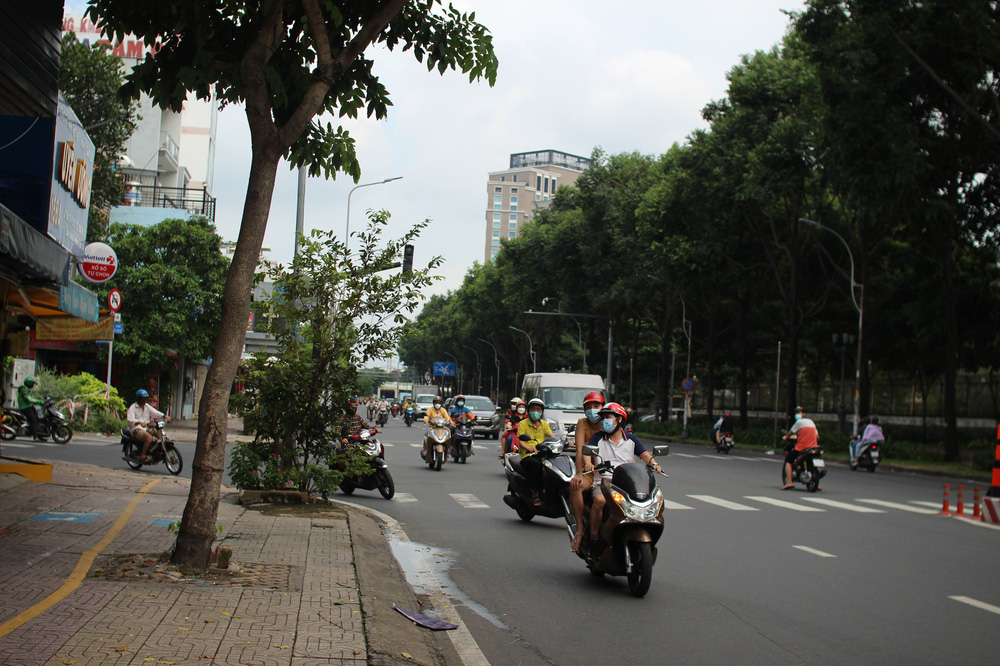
x=81, y=568
x=39, y=473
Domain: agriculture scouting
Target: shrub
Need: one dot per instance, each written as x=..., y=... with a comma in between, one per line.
x=254, y=466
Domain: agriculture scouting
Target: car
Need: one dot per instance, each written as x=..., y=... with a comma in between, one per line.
x=423, y=402
x=488, y=419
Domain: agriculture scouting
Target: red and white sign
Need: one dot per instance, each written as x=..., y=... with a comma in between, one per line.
x=115, y=300
x=98, y=263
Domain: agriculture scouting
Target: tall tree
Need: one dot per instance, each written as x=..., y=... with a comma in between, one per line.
x=287, y=62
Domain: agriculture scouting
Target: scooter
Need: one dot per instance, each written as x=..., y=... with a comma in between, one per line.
x=51, y=423
x=807, y=468
x=724, y=443
x=383, y=417
x=395, y=410
x=437, y=443
x=632, y=524
x=461, y=447
x=408, y=417
x=379, y=477
x=12, y=424
x=869, y=455
x=557, y=472
x=162, y=450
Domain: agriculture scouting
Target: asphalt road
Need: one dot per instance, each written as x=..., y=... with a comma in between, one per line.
x=863, y=572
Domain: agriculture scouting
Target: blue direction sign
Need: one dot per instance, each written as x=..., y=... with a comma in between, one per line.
x=119, y=328
x=443, y=369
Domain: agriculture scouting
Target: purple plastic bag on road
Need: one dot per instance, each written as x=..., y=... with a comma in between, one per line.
x=424, y=621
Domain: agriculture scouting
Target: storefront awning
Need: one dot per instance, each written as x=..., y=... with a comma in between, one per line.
x=24, y=247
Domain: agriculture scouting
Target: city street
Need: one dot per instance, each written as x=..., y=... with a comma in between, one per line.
x=862, y=572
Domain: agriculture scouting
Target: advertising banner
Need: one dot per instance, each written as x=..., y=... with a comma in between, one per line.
x=73, y=328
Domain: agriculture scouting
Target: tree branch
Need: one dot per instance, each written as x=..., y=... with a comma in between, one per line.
x=258, y=97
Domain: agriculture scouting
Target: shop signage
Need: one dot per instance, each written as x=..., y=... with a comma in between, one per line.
x=74, y=328
x=98, y=263
x=77, y=301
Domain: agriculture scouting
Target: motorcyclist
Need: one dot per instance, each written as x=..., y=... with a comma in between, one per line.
x=807, y=436
x=724, y=426
x=537, y=429
x=517, y=412
x=357, y=424
x=872, y=435
x=26, y=403
x=433, y=412
x=617, y=446
x=139, y=415
x=459, y=410
x=586, y=427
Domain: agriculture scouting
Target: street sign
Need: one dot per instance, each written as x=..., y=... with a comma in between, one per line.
x=443, y=369
x=115, y=300
x=98, y=263
x=119, y=328
x=688, y=384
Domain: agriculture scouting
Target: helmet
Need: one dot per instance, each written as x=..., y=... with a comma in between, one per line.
x=728, y=414
x=800, y=410
x=594, y=396
x=874, y=420
x=460, y=396
x=141, y=393
x=537, y=401
x=519, y=402
x=515, y=401
x=614, y=408
x=29, y=381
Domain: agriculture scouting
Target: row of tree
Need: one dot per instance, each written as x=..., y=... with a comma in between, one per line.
x=851, y=167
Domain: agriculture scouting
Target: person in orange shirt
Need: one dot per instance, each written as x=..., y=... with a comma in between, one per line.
x=807, y=436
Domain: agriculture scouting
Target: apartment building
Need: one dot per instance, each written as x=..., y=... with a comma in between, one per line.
x=527, y=185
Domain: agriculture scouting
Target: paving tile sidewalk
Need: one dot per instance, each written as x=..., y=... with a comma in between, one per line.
x=300, y=604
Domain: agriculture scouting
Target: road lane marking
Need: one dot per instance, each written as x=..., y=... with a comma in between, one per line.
x=468, y=501
x=684, y=455
x=782, y=503
x=932, y=505
x=417, y=446
x=725, y=504
x=404, y=497
x=813, y=551
x=900, y=507
x=977, y=604
x=842, y=505
x=82, y=566
x=745, y=458
x=17, y=446
x=674, y=506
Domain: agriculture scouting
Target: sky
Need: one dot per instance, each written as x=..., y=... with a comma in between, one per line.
x=572, y=77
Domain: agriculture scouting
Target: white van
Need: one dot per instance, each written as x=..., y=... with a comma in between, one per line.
x=562, y=393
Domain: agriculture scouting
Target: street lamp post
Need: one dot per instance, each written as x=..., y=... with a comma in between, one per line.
x=688, y=328
x=859, y=306
x=531, y=348
x=347, y=228
x=496, y=360
x=479, y=370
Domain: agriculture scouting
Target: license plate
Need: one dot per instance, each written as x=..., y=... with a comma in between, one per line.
x=819, y=462
x=874, y=455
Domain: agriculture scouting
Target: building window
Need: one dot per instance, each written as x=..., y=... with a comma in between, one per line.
x=496, y=241
x=513, y=200
x=545, y=198
x=498, y=189
x=513, y=224
x=513, y=218
x=495, y=251
x=503, y=178
x=496, y=234
x=538, y=197
x=497, y=199
x=538, y=182
x=496, y=217
x=513, y=190
x=546, y=184
x=553, y=186
x=513, y=206
x=512, y=234
x=496, y=224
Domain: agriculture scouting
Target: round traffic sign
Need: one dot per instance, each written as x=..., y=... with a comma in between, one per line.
x=98, y=263
x=115, y=300
x=687, y=384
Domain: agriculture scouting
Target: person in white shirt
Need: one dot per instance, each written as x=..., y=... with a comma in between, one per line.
x=139, y=415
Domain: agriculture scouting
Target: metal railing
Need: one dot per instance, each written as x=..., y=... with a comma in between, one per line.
x=194, y=201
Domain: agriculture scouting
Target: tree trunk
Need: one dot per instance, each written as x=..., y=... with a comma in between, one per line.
x=950, y=355
x=197, y=531
x=665, y=348
x=744, y=361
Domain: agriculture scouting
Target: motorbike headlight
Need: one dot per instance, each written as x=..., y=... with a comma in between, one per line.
x=641, y=512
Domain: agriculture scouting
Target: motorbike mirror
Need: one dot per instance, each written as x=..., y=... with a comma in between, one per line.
x=661, y=450
x=589, y=450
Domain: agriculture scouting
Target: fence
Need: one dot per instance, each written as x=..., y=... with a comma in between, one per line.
x=194, y=201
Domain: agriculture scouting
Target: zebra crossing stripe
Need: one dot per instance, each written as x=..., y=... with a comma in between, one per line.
x=674, y=506
x=899, y=507
x=725, y=504
x=842, y=505
x=402, y=498
x=468, y=501
x=782, y=503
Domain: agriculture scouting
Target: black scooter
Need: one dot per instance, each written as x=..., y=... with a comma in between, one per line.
x=379, y=477
x=724, y=443
x=807, y=468
x=461, y=439
x=51, y=423
x=162, y=450
x=557, y=472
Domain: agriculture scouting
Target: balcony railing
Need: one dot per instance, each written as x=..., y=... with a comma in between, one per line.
x=194, y=201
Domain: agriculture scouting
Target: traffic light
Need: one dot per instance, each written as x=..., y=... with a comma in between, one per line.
x=407, y=258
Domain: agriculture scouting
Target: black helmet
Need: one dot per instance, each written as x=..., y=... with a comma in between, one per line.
x=874, y=420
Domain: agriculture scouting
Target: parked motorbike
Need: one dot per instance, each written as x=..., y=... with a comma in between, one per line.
x=807, y=468
x=379, y=477
x=51, y=423
x=437, y=443
x=162, y=450
x=632, y=525
x=408, y=416
x=461, y=447
x=869, y=455
x=557, y=472
x=12, y=424
x=724, y=443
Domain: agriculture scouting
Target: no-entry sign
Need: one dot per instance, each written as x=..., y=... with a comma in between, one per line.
x=115, y=300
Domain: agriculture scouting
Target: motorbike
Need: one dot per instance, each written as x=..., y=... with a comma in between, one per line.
x=51, y=423
x=437, y=443
x=462, y=438
x=557, y=472
x=162, y=450
x=724, y=443
x=379, y=477
x=807, y=468
x=869, y=455
x=632, y=524
x=383, y=417
x=395, y=411
x=408, y=417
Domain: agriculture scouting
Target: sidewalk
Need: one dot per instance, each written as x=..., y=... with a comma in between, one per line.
x=302, y=590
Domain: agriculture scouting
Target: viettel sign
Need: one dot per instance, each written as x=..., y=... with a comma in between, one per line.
x=98, y=263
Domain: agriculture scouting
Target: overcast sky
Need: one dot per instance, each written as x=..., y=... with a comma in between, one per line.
x=573, y=76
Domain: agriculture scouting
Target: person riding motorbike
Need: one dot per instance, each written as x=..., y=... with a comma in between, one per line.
x=357, y=424
x=26, y=403
x=516, y=414
x=586, y=427
x=432, y=413
x=872, y=435
x=139, y=415
x=617, y=446
x=460, y=410
x=807, y=436
x=537, y=429
x=723, y=426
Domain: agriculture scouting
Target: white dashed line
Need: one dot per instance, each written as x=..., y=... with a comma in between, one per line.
x=899, y=507
x=977, y=604
x=683, y=455
x=782, y=503
x=813, y=551
x=725, y=504
x=674, y=506
x=842, y=505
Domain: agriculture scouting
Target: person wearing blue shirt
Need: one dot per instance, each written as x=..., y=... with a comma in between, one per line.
x=459, y=409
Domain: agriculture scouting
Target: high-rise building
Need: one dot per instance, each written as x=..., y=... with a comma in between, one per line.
x=528, y=185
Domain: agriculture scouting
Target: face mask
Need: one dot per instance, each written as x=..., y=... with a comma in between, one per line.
x=437, y=405
x=593, y=415
x=608, y=425
x=460, y=403
x=521, y=410
x=798, y=415
x=535, y=416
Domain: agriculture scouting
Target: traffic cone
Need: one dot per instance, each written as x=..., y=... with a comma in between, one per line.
x=945, y=508
x=977, y=513
x=994, y=490
x=960, y=511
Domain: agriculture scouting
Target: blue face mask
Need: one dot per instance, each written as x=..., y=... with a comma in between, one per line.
x=535, y=416
x=798, y=415
x=608, y=425
x=460, y=403
x=593, y=415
